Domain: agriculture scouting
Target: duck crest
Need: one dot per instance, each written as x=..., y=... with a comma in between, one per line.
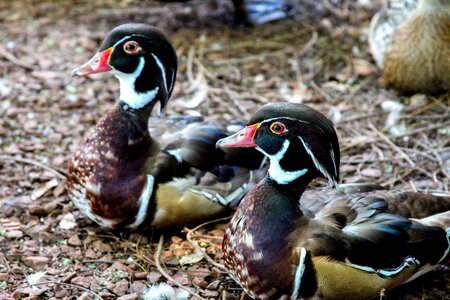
x=111, y=164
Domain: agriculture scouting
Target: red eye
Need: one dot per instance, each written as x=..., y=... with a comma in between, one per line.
x=277, y=128
x=131, y=47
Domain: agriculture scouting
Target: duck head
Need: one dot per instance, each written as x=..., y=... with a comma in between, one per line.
x=298, y=140
x=143, y=60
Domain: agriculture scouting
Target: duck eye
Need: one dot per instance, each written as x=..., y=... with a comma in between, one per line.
x=131, y=47
x=277, y=128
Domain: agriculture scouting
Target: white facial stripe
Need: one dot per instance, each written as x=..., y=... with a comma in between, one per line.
x=276, y=172
x=287, y=118
x=144, y=201
x=121, y=40
x=172, y=79
x=128, y=92
x=299, y=274
x=333, y=159
x=125, y=38
x=163, y=72
x=318, y=165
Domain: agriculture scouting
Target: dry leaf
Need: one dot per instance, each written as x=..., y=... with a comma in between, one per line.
x=191, y=258
x=43, y=188
x=10, y=225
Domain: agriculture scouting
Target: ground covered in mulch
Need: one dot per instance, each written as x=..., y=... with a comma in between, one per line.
x=320, y=58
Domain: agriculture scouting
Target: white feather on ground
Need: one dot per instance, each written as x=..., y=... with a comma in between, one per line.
x=163, y=291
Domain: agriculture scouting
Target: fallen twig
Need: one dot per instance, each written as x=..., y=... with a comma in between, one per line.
x=197, y=247
x=97, y=296
x=394, y=146
x=165, y=274
x=58, y=172
x=6, y=54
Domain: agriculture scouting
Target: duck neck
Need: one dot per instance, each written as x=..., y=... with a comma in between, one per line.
x=141, y=114
x=275, y=209
x=137, y=90
x=272, y=219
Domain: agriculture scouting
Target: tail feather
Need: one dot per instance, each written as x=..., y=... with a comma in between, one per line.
x=440, y=220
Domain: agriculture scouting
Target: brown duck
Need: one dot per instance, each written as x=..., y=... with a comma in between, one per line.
x=410, y=41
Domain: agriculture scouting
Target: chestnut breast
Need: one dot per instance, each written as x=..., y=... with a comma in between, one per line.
x=108, y=174
x=257, y=248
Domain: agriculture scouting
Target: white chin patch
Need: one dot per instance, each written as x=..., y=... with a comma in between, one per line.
x=128, y=93
x=276, y=172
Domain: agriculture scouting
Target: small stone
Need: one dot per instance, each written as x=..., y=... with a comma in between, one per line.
x=363, y=67
x=121, y=287
x=37, y=263
x=90, y=254
x=53, y=271
x=215, y=272
x=46, y=237
x=199, y=281
x=95, y=286
x=371, y=172
x=85, y=296
x=78, y=266
x=154, y=277
x=418, y=100
x=133, y=296
x=36, y=210
x=75, y=241
x=68, y=222
x=14, y=234
x=217, y=232
x=140, y=275
x=102, y=247
x=82, y=281
x=69, y=277
x=209, y=293
x=106, y=295
x=175, y=239
x=213, y=285
x=4, y=276
x=137, y=286
x=50, y=207
x=181, y=278
x=62, y=293
x=118, y=266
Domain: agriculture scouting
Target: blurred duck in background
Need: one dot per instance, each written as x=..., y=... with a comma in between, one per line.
x=254, y=12
x=410, y=41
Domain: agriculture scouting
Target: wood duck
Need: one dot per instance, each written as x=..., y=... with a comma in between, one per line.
x=350, y=248
x=120, y=177
x=409, y=41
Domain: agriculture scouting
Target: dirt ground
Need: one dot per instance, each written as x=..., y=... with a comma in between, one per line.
x=320, y=57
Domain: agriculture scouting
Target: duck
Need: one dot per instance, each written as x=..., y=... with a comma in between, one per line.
x=349, y=248
x=130, y=173
x=409, y=41
x=257, y=12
